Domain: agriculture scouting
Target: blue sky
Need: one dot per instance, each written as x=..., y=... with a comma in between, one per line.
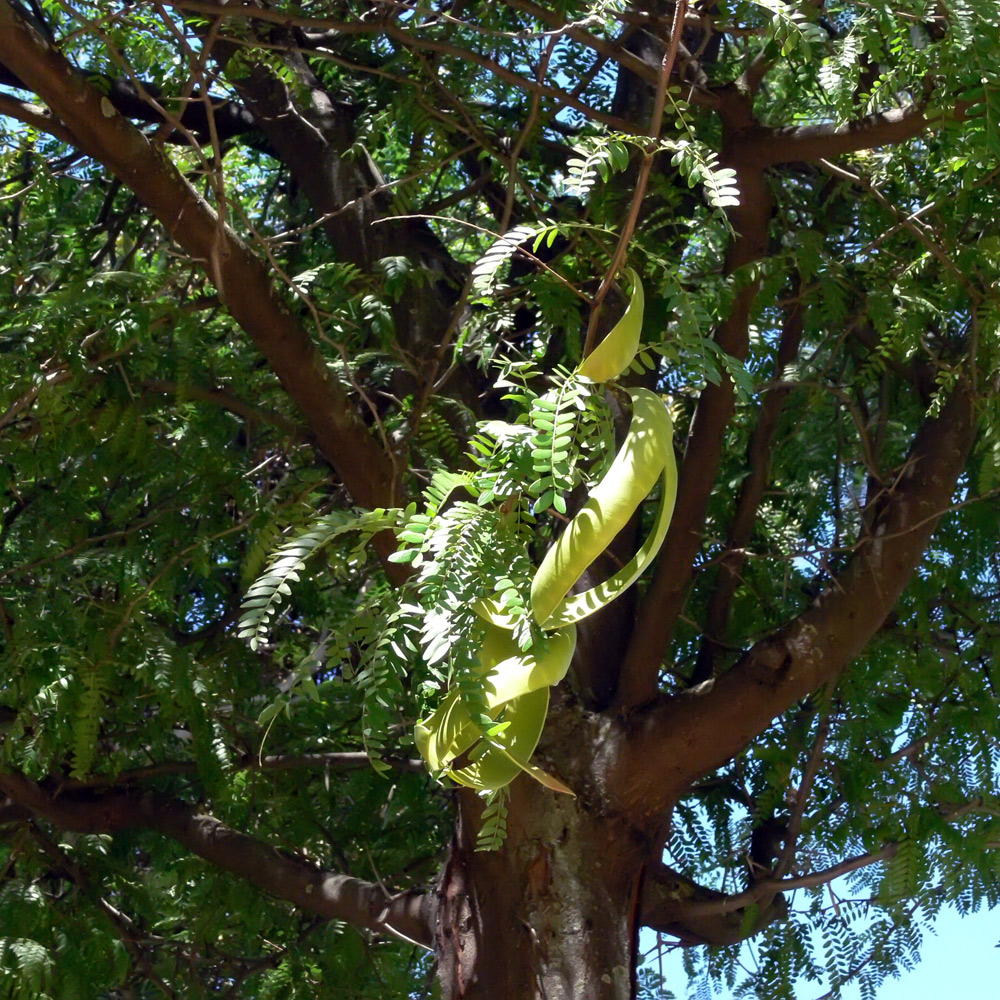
x=961, y=960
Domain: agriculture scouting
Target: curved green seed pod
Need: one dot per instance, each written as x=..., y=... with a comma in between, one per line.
x=494, y=766
x=517, y=683
x=646, y=453
x=579, y=606
x=446, y=733
x=517, y=686
x=615, y=353
x=493, y=763
x=512, y=672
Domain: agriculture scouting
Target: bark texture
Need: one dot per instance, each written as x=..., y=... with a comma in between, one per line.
x=554, y=914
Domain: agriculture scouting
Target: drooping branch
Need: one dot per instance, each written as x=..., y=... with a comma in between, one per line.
x=334, y=897
x=243, y=281
x=674, y=904
x=682, y=737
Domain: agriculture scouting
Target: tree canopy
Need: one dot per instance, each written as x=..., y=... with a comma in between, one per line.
x=299, y=408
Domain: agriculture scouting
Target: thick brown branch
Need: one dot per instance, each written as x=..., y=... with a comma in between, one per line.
x=751, y=493
x=686, y=736
x=673, y=904
x=663, y=603
x=243, y=281
x=315, y=138
x=35, y=116
x=809, y=143
x=335, y=897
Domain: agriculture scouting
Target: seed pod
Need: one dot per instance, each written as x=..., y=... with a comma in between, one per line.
x=517, y=683
x=646, y=453
x=615, y=353
x=517, y=693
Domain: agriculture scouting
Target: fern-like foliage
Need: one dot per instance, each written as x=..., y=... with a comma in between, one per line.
x=486, y=271
x=599, y=157
x=405, y=648
x=93, y=679
x=26, y=968
x=493, y=829
x=265, y=596
x=562, y=419
x=792, y=28
x=699, y=164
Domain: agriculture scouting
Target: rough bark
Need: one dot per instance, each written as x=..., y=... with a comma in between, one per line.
x=555, y=913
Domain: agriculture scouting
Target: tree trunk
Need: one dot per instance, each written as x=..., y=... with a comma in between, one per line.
x=552, y=913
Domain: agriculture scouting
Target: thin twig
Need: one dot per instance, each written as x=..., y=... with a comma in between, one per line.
x=805, y=788
x=666, y=68
x=908, y=222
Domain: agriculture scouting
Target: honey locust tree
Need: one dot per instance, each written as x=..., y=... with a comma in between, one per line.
x=272, y=271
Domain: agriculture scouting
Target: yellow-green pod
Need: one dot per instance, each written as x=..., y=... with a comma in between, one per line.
x=579, y=606
x=512, y=672
x=646, y=451
x=615, y=353
x=510, y=675
x=446, y=733
x=493, y=768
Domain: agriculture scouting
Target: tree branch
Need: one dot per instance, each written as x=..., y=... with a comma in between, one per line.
x=228, y=119
x=751, y=493
x=243, y=281
x=228, y=401
x=315, y=137
x=685, y=736
x=810, y=143
x=662, y=605
x=118, y=921
x=334, y=897
x=674, y=904
x=798, y=809
x=35, y=116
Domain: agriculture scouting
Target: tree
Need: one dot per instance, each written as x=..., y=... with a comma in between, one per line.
x=272, y=270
